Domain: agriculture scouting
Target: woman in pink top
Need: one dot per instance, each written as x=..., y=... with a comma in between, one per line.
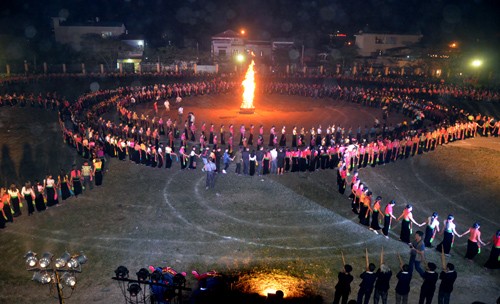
x=473, y=242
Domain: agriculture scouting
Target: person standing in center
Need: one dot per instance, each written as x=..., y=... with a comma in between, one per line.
x=343, y=287
x=210, y=169
x=87, y=176
x=238, y=160
x=417, y=254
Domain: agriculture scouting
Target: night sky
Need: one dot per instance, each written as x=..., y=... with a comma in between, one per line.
x=184, y=21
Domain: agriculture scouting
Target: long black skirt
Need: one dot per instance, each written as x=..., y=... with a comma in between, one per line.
x=446, y=244
x=40, y=203
x=374, y=224
x=29, y=201
x=472, y=250
x=8, y=213
x=493, y=261
x=77, y=187
x=387, y=225
x=65, y=192
x=51, y=197
x=405, y=231
x=429, y=236
x=252, y=168
x=98, y=177
x=16, y=206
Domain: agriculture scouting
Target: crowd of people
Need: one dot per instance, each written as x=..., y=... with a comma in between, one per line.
x=160, y=143
x=49, y=192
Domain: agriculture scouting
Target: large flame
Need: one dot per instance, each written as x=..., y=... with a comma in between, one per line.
x=249, y=88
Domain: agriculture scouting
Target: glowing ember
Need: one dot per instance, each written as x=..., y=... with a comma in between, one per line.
x=269, y=283
x=247, y=106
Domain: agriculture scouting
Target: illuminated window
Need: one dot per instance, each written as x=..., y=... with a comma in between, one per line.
x=106, y=34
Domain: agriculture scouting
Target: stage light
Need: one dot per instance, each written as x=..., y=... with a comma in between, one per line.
x=45, y=260
x=63, y=260
x=143, y=274
x=77, y=261
x=68, y=279
x=31, y=258
x=121, y=272
x=41, y=277
x=134, y=289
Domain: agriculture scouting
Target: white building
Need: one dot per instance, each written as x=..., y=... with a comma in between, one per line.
x=370, y=44
x=228, y=43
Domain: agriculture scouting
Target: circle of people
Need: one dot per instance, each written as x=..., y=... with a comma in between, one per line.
x=139, y=139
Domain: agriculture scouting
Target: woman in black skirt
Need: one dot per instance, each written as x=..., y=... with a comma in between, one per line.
x=75, y=181
x=374, y=225
x=63, y=182
x=40, y=198
x=50, y=190
x=7, y=210
x=253, y=160
x=29, y=196
x=15, y=200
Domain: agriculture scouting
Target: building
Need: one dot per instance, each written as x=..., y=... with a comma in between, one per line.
x=230, y=43
x=72, y=33
x=373, y=44
x=130, y=57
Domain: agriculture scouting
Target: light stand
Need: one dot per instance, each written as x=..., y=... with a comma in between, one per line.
x=62, y=274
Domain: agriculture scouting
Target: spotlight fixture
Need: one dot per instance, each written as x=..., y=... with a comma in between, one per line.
x=142, y=275
x=59, y=276
x=78, y=260
x=134, y=289
x=45, y=260
x=68, y=279
x=121, y=272
x=41, y=277
x=31, y=259
x=63, y=260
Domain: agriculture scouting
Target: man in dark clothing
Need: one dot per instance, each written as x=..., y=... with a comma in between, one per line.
x=343, y=287
x=246, y=160
x=260, y=157
x=403, y=286
x=238, y=160
x=429, y=285
x=366, y=287
x=447, y=278
x=384, y=275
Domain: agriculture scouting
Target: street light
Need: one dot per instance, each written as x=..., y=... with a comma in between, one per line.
x=240, y=58
x=476, y=63
x=63, y=272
